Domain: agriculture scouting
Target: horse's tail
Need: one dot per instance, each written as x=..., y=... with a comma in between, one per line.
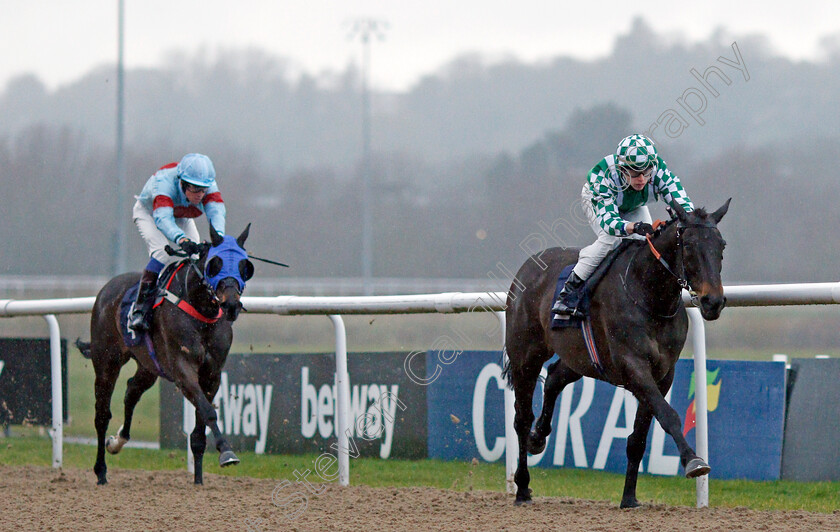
x=84, y=347
x=506, y=368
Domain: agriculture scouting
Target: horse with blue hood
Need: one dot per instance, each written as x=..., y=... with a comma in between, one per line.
x=227, y=266
x=188, y=342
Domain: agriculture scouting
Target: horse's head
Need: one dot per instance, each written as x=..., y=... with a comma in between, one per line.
x=226, y=270
x=702, y=256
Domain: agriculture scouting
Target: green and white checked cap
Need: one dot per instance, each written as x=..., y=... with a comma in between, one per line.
x=636, y=152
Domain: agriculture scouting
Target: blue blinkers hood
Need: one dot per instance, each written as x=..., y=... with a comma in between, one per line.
x=231, y=255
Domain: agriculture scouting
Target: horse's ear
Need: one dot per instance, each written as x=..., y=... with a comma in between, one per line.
x=718, y=214
x=243, y=237
x=681, y=215
x=246, y=269
x=214, y=266
x=215, y=237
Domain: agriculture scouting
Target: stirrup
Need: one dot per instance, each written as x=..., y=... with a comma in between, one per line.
x=561, y=309
x=139, y=323
x=140, y=318
x=567, y=313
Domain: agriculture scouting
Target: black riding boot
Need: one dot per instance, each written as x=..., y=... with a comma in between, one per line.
x=141, y=315
x=569, y=297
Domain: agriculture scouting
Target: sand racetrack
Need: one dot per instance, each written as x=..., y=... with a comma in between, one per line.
x=40, y=498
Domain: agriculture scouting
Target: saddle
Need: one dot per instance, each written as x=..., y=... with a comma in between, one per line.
x=585, y=300
x=588, y=287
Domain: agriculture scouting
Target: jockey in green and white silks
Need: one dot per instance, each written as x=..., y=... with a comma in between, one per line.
x=615, y=196
x=164, y=212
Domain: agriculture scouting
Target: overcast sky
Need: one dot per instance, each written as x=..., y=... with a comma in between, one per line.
x=61, y=40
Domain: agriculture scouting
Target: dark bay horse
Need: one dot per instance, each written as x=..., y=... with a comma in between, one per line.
x=191, y=335
x=639, y=324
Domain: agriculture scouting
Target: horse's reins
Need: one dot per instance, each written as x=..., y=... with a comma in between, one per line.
x=681, y=279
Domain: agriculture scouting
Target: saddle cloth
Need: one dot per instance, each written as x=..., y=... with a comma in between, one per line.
x=133, y=338
x=130, y=337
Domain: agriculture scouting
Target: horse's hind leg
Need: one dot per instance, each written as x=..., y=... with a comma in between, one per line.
x=107, y=366
x=559, y=376
x=135, y=388
x=524, y=370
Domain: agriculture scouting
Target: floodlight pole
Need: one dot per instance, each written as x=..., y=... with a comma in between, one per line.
x=120, y=261
x=365, y=29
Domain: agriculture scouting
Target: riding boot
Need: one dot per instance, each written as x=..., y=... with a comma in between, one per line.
x=141, y=315
x=569, y=297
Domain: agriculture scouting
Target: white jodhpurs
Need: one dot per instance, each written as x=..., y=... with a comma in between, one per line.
x=155, y=240
x=592, y=255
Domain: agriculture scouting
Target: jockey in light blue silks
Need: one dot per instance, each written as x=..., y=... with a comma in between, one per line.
x=164, y=214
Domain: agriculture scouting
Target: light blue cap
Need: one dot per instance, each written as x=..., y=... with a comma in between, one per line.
x=197, y=169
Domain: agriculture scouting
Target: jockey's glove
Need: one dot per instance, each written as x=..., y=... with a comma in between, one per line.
x=642, y=228
x=189, y=246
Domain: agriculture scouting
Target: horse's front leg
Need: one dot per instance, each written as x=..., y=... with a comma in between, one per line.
x=559, y=376
x=636, y=444
x=646, y=391
x=198, y=443
x=209, y=378
x=205, y=411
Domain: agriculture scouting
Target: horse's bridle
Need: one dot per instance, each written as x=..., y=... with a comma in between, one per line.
x=681, y=278
x=182, y=303
x=203, y=280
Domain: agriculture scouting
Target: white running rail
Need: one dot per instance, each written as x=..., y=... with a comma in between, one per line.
x=450, y=302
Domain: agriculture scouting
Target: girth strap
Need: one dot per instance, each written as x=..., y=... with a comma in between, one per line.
x=589, y=340
x=151, y=348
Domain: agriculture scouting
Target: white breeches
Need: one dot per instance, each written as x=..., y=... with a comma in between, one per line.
x=155, y=240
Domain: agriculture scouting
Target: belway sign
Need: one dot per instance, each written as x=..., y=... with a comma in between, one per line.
x=272, y=403
x=593, y=419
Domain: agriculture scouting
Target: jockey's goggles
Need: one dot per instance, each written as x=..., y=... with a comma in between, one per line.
x=630, y=173
x=188, y=187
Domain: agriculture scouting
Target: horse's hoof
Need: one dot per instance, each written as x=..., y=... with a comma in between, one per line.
x=696, y=468
x=629, y=504
x=228, y=458
x=535, y=445
x=101, y=482
x=523, y=497
x=114, y=444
